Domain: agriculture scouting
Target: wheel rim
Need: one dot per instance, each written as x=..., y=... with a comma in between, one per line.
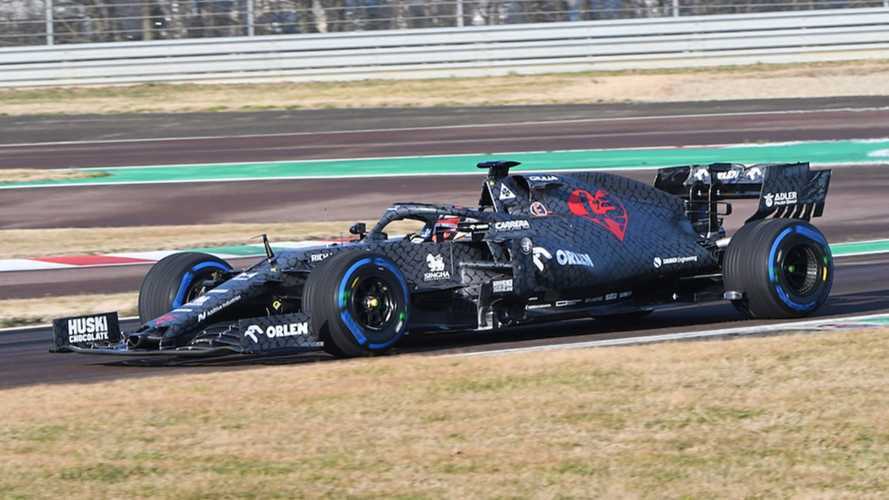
x=800, y=268
x=197, y=288
x=373, y=303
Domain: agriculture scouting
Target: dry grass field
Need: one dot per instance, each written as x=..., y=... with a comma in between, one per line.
x=41, y=311
x=27, y=174
x=733, y=82
x=793, y=416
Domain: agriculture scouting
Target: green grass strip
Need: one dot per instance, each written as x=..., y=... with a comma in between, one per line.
x=819, y=152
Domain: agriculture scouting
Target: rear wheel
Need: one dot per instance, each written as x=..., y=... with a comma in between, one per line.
x=782, y=267
x=358, y=303
x=176, y=280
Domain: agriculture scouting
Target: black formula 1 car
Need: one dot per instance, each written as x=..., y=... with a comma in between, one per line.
x=540, y=247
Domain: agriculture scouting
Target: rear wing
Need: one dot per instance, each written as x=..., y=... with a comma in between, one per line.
x=788, y=190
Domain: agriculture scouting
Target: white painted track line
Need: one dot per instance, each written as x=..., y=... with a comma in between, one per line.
x=452, y=127
x=673, y=337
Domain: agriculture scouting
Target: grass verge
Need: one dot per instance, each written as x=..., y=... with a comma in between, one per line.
x=23, y=312
x=800, y=416
x=732, y=82
x=30, y=175
x=24, y=243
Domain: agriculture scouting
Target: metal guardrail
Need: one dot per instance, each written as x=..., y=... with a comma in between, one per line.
x=530, y=48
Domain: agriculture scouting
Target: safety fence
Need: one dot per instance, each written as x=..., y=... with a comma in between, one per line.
x=484, y=50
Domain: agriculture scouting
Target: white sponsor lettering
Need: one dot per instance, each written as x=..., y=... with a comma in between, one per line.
x=219, y=290
x=540, y=254
x=291, y=330
x=566, y=303
x=318, y=257
x=543, y=178
x=660, y=262
x=512, y=225
x=502, y=286
x=244, y=276
x=89, y=329
x=611, y=296
x=87, y=337
x=181, y=310
x=505, y=193
x=437, y=276
x=728, y=176
x=780, y=199
x=436, y=269
x=277, y=331
x=569, y=258
x=538, y=209
x=206, y=314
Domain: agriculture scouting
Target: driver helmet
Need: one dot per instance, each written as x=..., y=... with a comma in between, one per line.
x=445, y=228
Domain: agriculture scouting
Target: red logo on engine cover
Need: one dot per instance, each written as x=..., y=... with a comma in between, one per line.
x=603, y=209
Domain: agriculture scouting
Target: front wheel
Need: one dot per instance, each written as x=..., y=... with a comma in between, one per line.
x=782, y=267
x=358, y=303
x=176, y=280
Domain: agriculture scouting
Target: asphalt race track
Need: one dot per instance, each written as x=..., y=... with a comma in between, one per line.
x=856, y=208
x=419, y=132
x=860, y=287
x=94, y=141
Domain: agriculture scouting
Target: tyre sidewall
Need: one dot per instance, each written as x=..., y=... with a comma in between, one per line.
x=167, y=283
x=345, y=330
x=753, y=266
x=779, y=288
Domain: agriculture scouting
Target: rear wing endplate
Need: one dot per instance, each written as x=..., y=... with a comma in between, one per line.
x=784, y=190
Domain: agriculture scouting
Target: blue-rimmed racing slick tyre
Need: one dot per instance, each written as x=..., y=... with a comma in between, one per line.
x=782, y=267
x=358, y=303
x=176, y=280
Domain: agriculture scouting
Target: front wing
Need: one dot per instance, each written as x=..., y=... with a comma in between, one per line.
x=101, y=334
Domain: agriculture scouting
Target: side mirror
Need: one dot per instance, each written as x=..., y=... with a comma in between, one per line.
x=358, y=229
